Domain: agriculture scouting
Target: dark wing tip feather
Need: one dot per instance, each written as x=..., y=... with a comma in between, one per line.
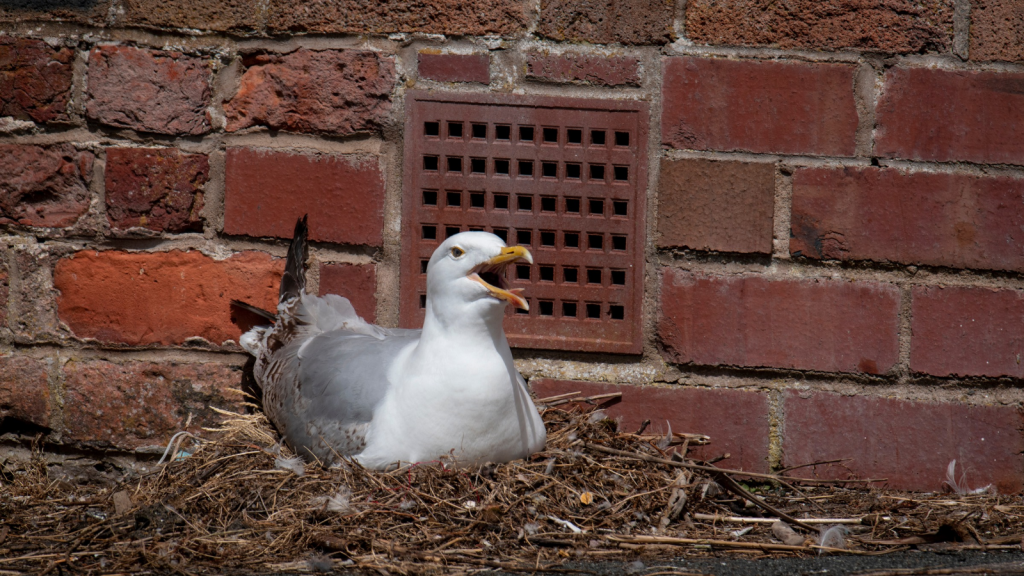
x=293, y=282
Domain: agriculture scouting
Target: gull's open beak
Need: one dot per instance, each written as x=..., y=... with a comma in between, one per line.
x=491, y=275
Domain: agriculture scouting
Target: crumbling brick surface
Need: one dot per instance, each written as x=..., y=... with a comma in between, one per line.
x=607, y=21
x=155, y=188
x=35, y=80
x=464, y=17
x=997, y=30
x=333, y=92
x=44, y=185
x=148, y=90
x=877, y=25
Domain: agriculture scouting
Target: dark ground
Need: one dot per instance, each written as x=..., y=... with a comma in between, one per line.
x=727, y=565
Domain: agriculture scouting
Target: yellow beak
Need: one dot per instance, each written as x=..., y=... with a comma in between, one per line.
x=498, y=263
x=511, y=254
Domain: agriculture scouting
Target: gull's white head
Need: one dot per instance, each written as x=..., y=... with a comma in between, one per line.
x=469, y=269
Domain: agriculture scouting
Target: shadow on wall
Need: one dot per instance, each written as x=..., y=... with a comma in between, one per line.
x=43, y=5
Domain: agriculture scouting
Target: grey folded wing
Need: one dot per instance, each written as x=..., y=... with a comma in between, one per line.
x=340, y=381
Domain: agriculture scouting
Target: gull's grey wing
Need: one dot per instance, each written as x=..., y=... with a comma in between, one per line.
x=339, y=378
x=344, y=375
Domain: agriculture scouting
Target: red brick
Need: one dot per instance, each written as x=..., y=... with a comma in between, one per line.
x=808, y=324
x=161, y=298
x=937, y=219
x=759, y=106
x=997, y=30
x=35, y=80
x=946, y=115
x=960, y=331
x=24, y=391
x=148, y=90
x=455, y=67
x=357, y=282
x=736, y=420
x=607, y=21
x=267, y=191
x=239, y=17
x=910, y=443
x=877, y=25
x=333, y=91
x=44, y=185
x=723, y=206
x=583, y=68
x=462, y=18
x=155, y=188
x=143, y=403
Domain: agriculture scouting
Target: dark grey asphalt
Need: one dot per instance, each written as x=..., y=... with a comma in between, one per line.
x=728, y=565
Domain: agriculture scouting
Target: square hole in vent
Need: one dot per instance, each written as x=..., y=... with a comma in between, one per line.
x=562, y=176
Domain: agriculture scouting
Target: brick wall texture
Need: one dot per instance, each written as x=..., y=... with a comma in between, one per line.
x=834, y=262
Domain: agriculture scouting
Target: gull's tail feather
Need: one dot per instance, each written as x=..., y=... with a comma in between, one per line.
x=260, y=312
x=293, y=282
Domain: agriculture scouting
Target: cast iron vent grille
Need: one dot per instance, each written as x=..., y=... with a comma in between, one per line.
x=563, y=177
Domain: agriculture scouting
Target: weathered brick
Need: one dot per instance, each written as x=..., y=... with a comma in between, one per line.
x=894, y=26
x=997, y=30
x=723, y=206
x=24, y=392
x=138, y=404
x=148, y=90
x=807, y=324
x=949, y=115
x=759, y=106
x=266, y=192
x=230, y=16
x=43, y=185
x=463, y=18
x=35, y=80
x=92, y=12
x=736, y=420
x=910, y=443
x=357, y=282
x=967, y=331
x=455, y=67
x=5, y=293
x=155, y=188
x=32, y=301
x=330, y=91
x=938, y=219
x=161, y=298
x=583, y=68
x=607, y=21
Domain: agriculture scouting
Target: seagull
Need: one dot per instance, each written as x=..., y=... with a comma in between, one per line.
x=337, y=387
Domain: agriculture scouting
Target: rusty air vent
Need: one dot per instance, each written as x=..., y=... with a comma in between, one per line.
x=563, y=177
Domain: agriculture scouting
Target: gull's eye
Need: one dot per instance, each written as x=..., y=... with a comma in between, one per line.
x=457, y=252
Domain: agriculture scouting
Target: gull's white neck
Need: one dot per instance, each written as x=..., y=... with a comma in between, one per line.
x=468, y=325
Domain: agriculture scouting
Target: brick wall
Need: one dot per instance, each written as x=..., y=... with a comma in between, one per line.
x=834, y=254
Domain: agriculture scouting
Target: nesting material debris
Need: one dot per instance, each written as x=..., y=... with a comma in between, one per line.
x=238, y=504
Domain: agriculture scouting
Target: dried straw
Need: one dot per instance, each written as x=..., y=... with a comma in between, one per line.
x=238, y=503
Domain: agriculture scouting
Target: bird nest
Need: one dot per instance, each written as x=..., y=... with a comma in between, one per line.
x=239, y=502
